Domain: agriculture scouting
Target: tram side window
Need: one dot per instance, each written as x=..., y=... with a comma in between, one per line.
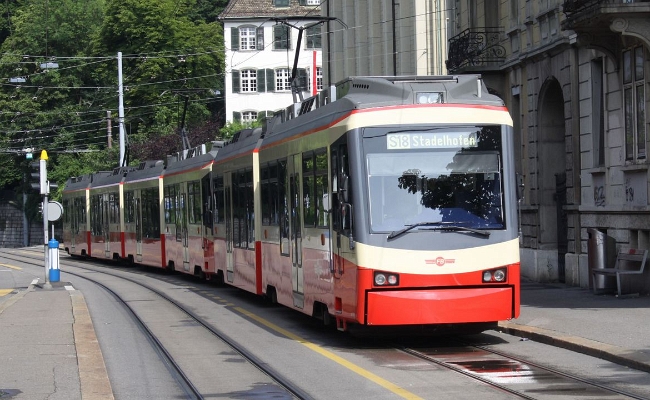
x=80, y=209
x=194, y=202
x=129, y=208
x=150, y=214
x=171, y=203
x=113, y=208
x=314, y=169
x=341, y=189
x=283, y=208
x=95, y=215
x=243, y=229
x=270, y=194
x=207, y=203
x=219, y=199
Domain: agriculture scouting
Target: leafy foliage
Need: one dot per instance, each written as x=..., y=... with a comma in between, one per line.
x=172, y=54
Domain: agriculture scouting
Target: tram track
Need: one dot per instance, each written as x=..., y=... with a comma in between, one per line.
x=503, y=371
x=512, y=375
x=177, y=371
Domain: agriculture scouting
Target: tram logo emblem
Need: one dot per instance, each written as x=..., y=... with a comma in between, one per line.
x=440, y=261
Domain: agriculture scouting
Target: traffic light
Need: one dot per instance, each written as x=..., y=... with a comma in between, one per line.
x=39, y=174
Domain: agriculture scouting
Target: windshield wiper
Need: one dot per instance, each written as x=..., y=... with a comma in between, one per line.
x=440, y=226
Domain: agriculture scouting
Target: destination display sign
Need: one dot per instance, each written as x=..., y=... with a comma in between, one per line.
x=430, y=140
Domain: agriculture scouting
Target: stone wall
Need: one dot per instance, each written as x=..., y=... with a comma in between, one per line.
x=12, y=232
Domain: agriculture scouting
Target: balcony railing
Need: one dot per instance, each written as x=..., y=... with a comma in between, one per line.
x=476, y=47
x=576, y=6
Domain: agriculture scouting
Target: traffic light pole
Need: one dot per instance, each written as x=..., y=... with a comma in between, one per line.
x=44, y=188
x=47, y=284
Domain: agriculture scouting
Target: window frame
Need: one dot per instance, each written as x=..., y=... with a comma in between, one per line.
x=248, y=82
x=246, y=39
x=282, y=80
x=634, y=100
x=313, y=38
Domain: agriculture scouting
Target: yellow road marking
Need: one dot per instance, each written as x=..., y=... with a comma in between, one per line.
x=4, y=292
x=339, y=360
x=10, y=266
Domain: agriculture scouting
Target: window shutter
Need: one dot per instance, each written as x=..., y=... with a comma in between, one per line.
x=302, y=77
x=236, y=116
x=260, y=38
x=270, y=80
x=236, y=81
x=261, y=83
x=234, y=39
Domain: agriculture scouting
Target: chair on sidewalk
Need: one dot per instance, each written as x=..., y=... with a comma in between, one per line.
x=628, y=262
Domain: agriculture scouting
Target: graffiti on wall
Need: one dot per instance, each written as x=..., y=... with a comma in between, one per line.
x=599, y=196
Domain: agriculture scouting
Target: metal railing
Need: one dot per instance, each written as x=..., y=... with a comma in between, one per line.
x=576, y=6
x=475, y=47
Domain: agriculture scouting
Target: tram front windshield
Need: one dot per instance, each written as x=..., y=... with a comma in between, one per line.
x=434, y=175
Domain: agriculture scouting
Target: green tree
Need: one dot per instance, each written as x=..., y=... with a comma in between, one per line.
x=169, y=56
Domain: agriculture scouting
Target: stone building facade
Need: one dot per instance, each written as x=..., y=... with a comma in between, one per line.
x=574, y=74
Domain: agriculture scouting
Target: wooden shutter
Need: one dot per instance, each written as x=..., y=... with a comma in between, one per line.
x=261, y=83
x=234, y=39
x=236, y=116
x=236, y=81
x=259, y=45
x=270, y=80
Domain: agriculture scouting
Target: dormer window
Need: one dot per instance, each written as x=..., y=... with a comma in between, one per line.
x=281, y=3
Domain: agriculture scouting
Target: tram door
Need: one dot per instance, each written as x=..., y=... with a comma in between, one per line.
x=185, y=232
x=106, y=232
x=339, y=207
x=74, y=223
x=295, y=212
x=138, y=227
x=230, y=267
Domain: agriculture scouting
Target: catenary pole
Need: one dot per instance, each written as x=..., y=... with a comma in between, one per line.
x=120, y=110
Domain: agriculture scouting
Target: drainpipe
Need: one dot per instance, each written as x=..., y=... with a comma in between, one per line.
x=394, y=5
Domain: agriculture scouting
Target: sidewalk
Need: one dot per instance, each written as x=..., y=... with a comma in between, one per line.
x=602, y=326
x=48, y=347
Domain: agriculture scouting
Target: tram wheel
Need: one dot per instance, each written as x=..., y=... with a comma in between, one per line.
x=271, y=295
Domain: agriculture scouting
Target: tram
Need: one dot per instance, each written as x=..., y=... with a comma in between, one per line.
x=382, y=201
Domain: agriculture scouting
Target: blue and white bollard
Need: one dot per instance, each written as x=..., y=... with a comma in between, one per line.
x=53, y=259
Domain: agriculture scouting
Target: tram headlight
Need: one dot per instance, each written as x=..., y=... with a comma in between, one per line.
x=494, y=275
x=499, y=275
x=386, y=279
x=487, y=276
x=428, y=98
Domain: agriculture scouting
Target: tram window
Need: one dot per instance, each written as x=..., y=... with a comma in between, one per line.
x=113, y=209
x=250, y=210
x=95, y=215
x=150, y=214
x=194, y=202
x=270, y=194
x=80, y=208
x=265, y=184
x=308, y=189
x=243, y=229
x=129, y=208
x=219, y=201
x=283, y=208
x=171, y=203
x=314, y=168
